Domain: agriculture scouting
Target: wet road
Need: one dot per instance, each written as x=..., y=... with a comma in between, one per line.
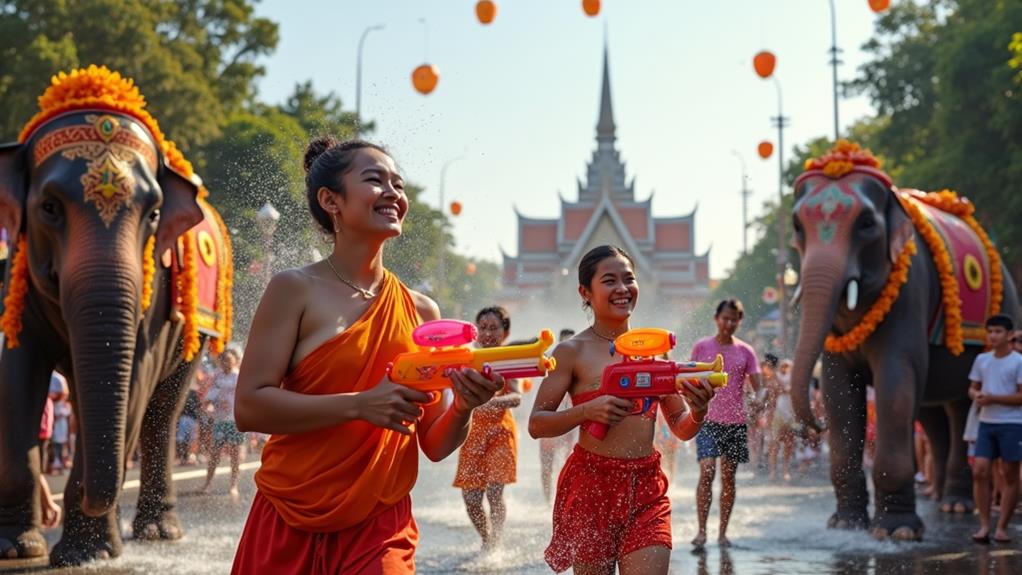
x=776, y=528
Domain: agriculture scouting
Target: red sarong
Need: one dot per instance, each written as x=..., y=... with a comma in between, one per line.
x=381, y=545
x=607, y=508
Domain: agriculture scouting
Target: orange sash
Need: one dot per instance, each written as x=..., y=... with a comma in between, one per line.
x=333, y=478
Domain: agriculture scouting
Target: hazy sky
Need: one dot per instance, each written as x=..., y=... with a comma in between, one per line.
x=519, y=98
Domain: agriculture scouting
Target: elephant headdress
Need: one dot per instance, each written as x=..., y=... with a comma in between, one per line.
x=101, y=90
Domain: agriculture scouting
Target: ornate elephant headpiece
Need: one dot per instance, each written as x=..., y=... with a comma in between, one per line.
x=98, y=88
x=844, y=158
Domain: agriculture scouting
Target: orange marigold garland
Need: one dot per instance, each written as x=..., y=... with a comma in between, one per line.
x=96, y=87
x=878, y=311
x=948, y=201
x=949, y=295
x=14, y=301
x=148, y=270
x=225, y=283
x=190, y=297
x=842, y=159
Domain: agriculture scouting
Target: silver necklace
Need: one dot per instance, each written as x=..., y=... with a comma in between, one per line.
x=366, y=294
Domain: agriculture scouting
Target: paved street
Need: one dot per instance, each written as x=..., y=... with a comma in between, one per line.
x=776, y=528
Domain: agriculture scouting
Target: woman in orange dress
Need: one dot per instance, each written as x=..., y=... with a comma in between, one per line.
x=333, y=488
x=488, y=460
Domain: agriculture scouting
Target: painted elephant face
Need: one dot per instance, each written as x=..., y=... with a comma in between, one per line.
x=87, y=191
x=90, y=181
x=848, y=231
x=853, y=226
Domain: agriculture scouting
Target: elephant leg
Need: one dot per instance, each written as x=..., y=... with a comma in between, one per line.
x=844, y=393
x=958, y=487
x=938, y=434
x=897, y=383
x=24, y=383
x=85, y=538
x=156, y=517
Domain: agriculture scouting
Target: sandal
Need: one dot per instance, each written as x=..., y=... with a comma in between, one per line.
x=982, y=540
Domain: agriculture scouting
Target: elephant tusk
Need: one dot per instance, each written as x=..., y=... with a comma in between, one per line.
x=852, y=300
x=797, y=295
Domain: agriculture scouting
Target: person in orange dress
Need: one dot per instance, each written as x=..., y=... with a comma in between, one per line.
x=333, y=488
x=488, y=460
x=611, y=509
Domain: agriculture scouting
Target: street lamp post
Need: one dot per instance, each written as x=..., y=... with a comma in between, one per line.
x=834, y=61
x=745, y=193
x=358, y=78
x=267, y=218
x=441, y=263
x=780, y=121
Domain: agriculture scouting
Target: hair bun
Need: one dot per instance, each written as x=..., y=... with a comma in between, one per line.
x=316, y=149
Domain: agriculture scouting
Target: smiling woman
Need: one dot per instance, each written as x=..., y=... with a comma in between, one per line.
x=337, y=471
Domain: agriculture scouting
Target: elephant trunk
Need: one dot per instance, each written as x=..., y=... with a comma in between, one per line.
x=822, y=285
x=102, y=318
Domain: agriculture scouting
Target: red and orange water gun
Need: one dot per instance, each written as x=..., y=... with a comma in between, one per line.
x=443, y=348
x=640, y=375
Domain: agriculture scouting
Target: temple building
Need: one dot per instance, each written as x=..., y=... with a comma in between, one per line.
x=673, y=278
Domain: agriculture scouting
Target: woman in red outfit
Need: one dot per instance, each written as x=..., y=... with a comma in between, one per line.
x=611, y=508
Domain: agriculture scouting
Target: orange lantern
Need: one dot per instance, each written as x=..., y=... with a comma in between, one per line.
x=425, y=78
x=591, y=7
x=455, y=208
x=470, y=269
x=764, y=63
x=486, y=10
x=879, y=6
x=765, y=149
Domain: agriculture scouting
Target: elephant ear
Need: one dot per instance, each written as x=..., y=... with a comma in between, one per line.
x=899, y=227
x=180, y=211
x=12, y=188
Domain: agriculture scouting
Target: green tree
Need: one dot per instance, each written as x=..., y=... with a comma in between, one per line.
x=944, y=79
x=195, y=61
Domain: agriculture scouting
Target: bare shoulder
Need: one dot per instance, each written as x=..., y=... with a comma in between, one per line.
x=427, y=308
x=288, y=286
x=566, y=351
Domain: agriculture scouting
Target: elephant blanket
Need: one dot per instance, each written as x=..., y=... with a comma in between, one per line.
x=212, y=281
x=970, y=262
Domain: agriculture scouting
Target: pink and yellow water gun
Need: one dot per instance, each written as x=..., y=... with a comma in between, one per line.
x=640, y=375
x=443, y=347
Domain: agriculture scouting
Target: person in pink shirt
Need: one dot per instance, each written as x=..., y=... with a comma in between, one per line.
x=724, y=436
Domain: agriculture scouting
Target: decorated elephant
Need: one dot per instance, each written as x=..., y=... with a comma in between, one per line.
x=896, y=286
x=119, y=276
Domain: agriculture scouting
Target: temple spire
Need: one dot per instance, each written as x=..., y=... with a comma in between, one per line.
x=605, y=127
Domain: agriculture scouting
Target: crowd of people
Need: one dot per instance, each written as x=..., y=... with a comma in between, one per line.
x=340, y=442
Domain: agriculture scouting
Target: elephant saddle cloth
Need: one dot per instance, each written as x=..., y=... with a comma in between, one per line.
x=971, y=269
x=211, y=258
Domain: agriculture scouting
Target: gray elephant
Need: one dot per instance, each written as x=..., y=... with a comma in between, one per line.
x=113, y=261
x=892, y=318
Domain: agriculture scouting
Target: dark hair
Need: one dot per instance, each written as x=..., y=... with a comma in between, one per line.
x=732, y=303
x=587, y=266
x=1000, y=320
x=500, y=312
x=326, y=161
x=771, y=359
x=566, y=332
